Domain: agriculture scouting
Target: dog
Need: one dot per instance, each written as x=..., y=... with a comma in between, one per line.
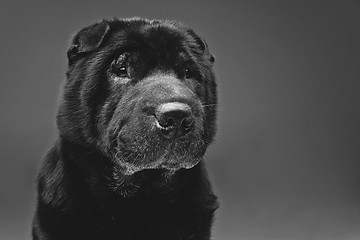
x=136, y=114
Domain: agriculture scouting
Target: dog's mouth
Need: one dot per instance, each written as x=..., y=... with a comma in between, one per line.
x=171, y=158
x=157, y=147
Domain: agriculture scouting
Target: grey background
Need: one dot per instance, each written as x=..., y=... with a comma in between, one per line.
x=286, y=160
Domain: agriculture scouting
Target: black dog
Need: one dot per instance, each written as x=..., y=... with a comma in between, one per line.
x=136, y=115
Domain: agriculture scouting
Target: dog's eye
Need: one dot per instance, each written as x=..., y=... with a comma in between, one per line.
x=122, y=71
x=191, y=73
x=120, y=67
x=188, y=73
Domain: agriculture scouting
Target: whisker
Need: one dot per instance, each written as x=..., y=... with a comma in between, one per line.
x=209, y=105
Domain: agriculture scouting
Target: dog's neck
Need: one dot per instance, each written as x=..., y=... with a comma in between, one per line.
x=81, y=198
x=109, y=185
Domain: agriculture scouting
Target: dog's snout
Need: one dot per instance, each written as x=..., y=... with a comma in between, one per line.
x=174, y=119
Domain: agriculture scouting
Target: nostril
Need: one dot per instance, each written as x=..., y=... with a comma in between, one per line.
x=169, y=122
x=186, y=123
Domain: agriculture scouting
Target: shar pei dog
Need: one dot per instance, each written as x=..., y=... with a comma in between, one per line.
x=136, y=114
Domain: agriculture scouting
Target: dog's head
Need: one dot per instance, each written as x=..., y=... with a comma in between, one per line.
x=140, y=91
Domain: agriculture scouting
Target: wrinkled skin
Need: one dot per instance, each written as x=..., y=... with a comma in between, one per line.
x=118, y=170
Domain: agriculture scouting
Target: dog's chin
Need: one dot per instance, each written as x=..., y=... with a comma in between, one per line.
x=134, y=157
x=168, y=165
x=173, y=167
x=129, y=181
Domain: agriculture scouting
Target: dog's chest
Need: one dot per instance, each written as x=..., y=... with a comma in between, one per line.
x=169, y=224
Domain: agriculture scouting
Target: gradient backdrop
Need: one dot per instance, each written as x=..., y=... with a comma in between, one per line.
x=286, y=161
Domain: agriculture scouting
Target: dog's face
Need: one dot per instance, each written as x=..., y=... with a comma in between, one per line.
x=141, y=92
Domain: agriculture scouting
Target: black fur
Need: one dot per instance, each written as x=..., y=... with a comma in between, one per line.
x=112, y=173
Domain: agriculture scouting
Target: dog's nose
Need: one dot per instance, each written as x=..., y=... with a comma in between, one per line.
x=174, y=119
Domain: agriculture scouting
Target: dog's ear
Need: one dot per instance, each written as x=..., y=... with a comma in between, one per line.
x=87, y=39
x=202, y=45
